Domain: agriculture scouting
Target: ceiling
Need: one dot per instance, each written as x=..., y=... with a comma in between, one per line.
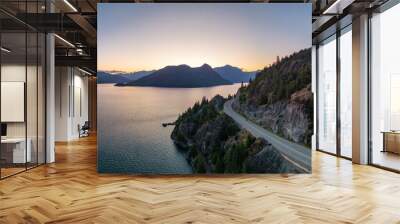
x=75, y=22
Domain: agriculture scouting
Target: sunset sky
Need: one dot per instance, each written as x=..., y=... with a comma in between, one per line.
x=134, y=37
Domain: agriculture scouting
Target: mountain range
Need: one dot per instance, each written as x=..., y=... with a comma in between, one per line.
x=228, y=73
x=136, y=75
x=181, y=76
x=235, y=74
x=120, y=77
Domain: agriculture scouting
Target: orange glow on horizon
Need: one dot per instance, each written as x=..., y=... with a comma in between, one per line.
x=143, y=37
x=129, y=69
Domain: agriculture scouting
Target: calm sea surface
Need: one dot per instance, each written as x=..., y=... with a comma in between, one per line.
x=130, y=136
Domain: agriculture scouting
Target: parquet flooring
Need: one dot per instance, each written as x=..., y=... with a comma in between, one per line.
x=71, y=191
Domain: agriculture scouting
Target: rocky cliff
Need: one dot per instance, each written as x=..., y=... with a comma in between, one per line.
x=280, y=98
x=215, y=144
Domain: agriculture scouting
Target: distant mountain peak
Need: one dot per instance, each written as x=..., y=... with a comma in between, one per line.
x=182, y=65
x=182, y=76
x=234, y=74
x=205, y=65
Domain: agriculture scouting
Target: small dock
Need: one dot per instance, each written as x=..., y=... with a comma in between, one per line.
x=167, y=124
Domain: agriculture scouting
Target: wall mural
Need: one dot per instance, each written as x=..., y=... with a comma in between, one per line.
x=204, y=88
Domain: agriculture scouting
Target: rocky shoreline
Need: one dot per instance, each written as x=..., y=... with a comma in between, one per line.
x=290, y=119
x=214, y=143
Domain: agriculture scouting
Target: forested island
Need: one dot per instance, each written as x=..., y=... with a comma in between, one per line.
x=180, y=76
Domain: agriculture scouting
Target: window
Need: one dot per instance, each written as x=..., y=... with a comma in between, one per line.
x=346, y=92
x=335, y=74
x=385, y=89
x=327, y=95
x=22, y=98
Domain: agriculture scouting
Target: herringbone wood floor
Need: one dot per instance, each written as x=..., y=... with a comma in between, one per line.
x=70, y=191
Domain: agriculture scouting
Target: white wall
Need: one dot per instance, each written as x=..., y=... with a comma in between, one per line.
x=33, y=126
x=70, y=84
x=13, y=101
x=62, y=83
x=13, y=72
x=79, y=115
x=16, y=73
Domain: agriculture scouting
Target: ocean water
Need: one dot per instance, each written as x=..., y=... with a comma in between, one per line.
x=131, y=138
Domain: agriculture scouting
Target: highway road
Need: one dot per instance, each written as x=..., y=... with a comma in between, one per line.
x=298, y=154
